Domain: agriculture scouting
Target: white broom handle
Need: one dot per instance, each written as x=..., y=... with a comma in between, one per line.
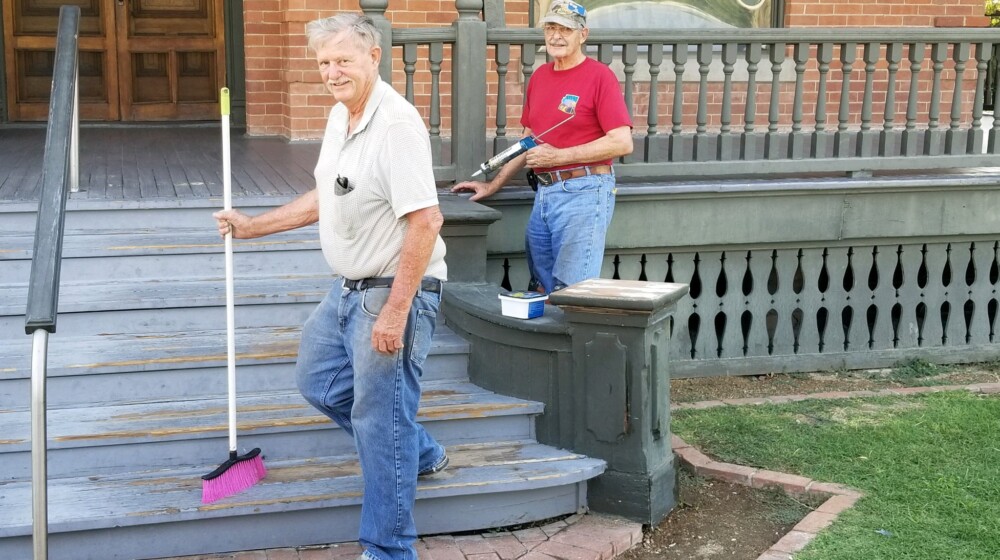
x=227, y=194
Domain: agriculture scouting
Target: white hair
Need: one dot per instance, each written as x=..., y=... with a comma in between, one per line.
x=362, y=27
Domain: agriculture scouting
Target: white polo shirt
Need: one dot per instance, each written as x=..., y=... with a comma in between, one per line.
x=386, y=161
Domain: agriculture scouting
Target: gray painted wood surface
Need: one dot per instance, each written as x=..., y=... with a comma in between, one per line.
x=149, y=162
x=804, y=274
x=101, y=517
x=137, y=406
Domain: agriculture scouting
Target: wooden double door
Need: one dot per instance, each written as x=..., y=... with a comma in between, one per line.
x=140, y=60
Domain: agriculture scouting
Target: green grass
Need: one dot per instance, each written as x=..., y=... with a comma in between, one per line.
x=929, y=466
x=916, y=369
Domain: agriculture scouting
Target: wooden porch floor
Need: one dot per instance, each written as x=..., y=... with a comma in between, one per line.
x=159, y=162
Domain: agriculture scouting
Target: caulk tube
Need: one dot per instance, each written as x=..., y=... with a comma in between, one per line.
x=498, y=161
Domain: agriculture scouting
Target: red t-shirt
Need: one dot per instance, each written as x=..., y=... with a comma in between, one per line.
x=594, y=90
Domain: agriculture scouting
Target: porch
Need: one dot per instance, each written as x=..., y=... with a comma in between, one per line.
x=144, y=162
x=790, y=230
x=802, y=248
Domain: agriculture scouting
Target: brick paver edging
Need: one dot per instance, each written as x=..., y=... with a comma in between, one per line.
x=602, y=537
x=587, y=536
x=840, y=497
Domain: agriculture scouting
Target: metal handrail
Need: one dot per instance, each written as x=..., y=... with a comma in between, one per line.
x=60, y=173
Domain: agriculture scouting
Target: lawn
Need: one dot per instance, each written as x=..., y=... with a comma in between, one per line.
x=929, y=466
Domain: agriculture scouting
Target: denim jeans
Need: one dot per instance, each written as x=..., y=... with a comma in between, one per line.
x=374, y=397
x=567, y=228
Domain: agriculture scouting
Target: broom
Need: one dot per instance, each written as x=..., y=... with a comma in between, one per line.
x=239, y=472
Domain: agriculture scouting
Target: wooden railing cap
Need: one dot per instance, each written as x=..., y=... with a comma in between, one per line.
x=619, y=294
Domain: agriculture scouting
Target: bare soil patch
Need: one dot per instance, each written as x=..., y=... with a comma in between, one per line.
x=716, y=519
x=908, y=375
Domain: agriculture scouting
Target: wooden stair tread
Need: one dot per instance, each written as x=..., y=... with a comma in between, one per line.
x=111, y=353
x=257, y=413
x=160, y=241
x=162, y=496
x=186, y=292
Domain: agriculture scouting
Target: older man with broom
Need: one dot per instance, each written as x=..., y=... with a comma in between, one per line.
x=363, y=347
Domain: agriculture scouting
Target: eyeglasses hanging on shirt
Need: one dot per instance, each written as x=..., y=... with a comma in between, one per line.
x=342, y=186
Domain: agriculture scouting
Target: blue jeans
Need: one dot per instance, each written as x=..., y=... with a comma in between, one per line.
x=567, y=230
x=374, y=397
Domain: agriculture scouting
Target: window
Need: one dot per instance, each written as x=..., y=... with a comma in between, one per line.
x=677, y=14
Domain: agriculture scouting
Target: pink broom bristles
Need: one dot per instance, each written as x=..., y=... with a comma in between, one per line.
x=234, y=476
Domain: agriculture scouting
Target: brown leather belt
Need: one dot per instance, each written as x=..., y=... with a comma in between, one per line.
x=550, y=177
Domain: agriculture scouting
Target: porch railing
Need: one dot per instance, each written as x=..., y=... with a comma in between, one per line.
x=778, y=101
x=59, y=176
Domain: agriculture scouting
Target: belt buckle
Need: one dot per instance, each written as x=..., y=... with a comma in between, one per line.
x=431, y=285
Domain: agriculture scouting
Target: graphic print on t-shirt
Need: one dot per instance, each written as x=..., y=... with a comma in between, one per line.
x=568, y=103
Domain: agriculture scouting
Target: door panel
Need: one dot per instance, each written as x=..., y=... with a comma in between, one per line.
x=171, y=58
x=30, y=39
x=139, y=60
x=34, y=17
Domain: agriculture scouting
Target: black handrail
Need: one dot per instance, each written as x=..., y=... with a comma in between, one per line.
x=60, y=173
x=43, y=290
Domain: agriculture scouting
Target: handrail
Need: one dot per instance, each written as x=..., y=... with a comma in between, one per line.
x=752, y=97
x=60, y=173
x=732, y=102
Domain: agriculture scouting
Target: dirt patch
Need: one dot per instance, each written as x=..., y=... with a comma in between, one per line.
x=910, y=375
x=720, y=520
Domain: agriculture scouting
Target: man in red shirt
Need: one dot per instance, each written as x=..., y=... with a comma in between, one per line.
x=572, y=162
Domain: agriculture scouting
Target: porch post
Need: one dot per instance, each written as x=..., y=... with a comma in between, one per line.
x=375, y=9
x=468, y=102
x=619, y=393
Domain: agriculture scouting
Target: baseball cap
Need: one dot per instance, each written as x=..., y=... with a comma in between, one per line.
x=566, y=13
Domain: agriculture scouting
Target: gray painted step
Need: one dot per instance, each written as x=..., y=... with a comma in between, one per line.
x=97, y=254
x=149, y=435
x=158, y=366
x=125, y=215
x=178, y=303
x=137, y=409
x=300, y=502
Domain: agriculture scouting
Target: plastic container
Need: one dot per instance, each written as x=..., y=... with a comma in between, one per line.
x=523, y=305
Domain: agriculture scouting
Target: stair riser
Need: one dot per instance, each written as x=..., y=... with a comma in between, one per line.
x=21, y=218
x=154, y=384
x=280, y=443
x=171, y=319
x=296, y=528
x=155, y=266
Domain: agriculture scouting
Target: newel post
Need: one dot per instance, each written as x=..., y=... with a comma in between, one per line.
x=620, y=391
x=375, y=9
x=468, y=102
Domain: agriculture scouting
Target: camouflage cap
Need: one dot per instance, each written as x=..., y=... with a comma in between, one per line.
x=566, y=13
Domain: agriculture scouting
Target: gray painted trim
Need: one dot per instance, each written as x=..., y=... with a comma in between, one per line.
x=784, y=35
x=731, y=230
x=3, y=75
x=57, y=176
x=236, y=61
x=778, y=13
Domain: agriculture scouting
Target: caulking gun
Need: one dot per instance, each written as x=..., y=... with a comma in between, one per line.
x=522, y=145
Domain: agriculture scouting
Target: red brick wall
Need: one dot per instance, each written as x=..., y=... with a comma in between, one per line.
x=875, y=13
x=284, y=94
x=286, y=98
